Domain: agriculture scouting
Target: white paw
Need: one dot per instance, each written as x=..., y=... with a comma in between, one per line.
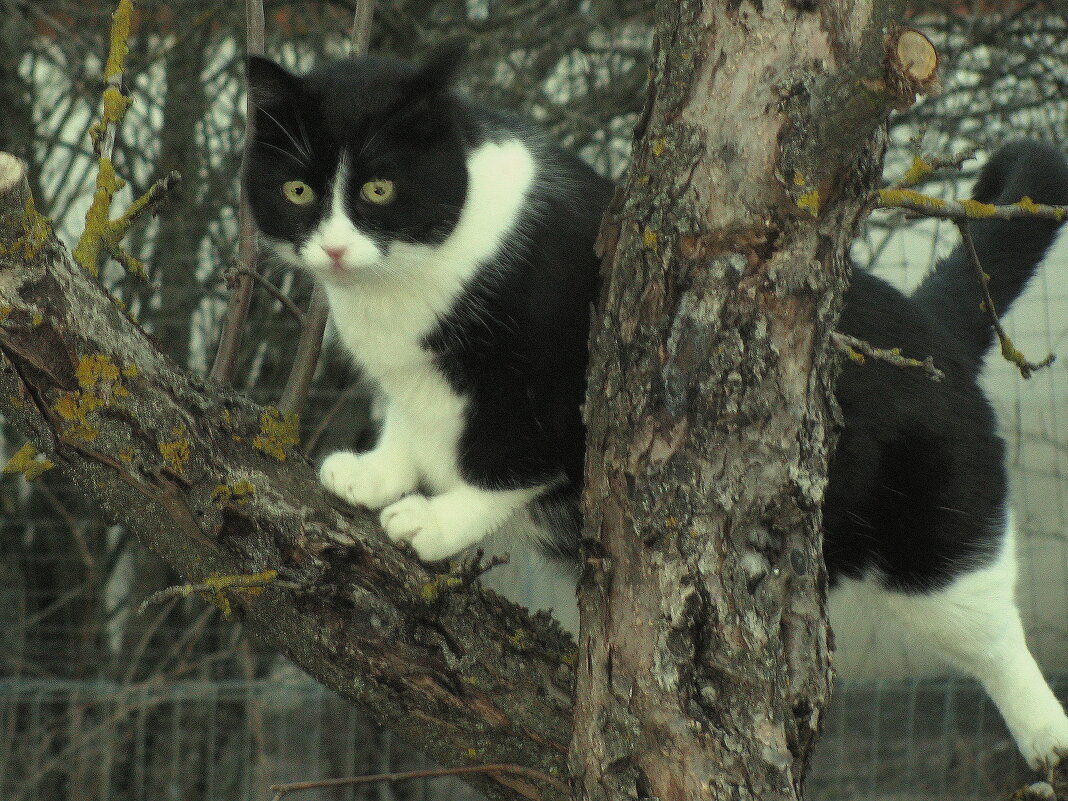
x=413, y=519
x=364, y=480
x=1044, y=745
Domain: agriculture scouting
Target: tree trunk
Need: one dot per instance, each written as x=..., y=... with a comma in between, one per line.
x=722, y=324
x=703, y=665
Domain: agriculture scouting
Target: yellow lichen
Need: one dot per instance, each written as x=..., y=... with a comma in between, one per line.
x=799, y=179
x=96, y=369
x=919, y=170
x=126, y=455
x=37, y=319
x=892, y=198
x=35, y=230
x=98, y=234
x=649, y=237
x=232, y=494
x=98, y=377
x=659, y=145
x=176, y=451
x=278, y=433
x=432, y=590
x=977, y=210
x=120, y=38
x=25, y=461
x=518, y=639
x=248, y=585
x=810, y=202
x=131, y=371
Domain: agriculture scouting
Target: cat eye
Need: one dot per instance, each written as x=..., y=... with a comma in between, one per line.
x=379, y=191
x=298, y=192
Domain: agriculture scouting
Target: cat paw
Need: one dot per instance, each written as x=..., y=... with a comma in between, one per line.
x=413, y=519
x=1045, y=746
x=364, y=480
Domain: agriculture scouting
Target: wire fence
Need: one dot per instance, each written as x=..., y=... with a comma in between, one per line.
x=230, y=740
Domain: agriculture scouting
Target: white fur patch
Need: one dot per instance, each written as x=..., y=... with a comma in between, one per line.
x=383, y=307
x=974, y=623
x=336, y=231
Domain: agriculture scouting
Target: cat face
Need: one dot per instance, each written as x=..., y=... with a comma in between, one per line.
x=357, y=165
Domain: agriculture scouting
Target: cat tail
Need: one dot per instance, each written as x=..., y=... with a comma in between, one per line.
x=1009, y=250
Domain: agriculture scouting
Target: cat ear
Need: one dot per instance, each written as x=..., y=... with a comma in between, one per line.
x=270, y=85
x=438, y=69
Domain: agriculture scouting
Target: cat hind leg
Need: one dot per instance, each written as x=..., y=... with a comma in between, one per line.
x=975, y=624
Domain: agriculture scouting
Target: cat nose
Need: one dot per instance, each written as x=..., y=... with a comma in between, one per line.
x=335, y=254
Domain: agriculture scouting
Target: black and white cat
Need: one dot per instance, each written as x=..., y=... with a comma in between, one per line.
x=455, y=245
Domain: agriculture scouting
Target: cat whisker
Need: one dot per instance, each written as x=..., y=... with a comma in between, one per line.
x=300, y=149
x=285, y=152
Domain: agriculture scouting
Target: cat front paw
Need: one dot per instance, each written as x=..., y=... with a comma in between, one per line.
x=366, y=479
x=413, y=519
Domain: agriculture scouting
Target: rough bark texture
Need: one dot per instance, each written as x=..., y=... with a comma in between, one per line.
x=212, y=483
x=703, y=662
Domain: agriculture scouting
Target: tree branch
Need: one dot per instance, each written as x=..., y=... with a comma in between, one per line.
x=455, y=670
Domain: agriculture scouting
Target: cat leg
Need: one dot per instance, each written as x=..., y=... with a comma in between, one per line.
x=377, y=477
x=975, y=624
x=442, y=525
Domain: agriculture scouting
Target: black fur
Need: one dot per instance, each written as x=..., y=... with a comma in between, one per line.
x=917, y=485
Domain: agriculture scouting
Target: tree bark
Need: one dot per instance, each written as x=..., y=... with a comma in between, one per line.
x=703, y=665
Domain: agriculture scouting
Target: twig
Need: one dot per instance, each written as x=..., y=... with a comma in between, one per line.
x=281, y=790
x=279, y=295
x=225, y=363
x=924, y=166
x=307, y=356
x=213, y=586
x=309, y=445
x=102, y=235
x=360, y=42
x=857, y=350
x=1008, y=349
x=963, y=210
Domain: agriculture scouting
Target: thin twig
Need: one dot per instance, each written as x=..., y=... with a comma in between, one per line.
x=963, y=210
x=309, y=445
x=857, y=350
x=214, y=587
x=225, y=364
x=279, y=295
x=924, y=166
x=306, y=357
x=1008, y=349
x=281, y=790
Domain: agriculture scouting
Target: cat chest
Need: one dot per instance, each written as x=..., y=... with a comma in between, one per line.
x=429, y=416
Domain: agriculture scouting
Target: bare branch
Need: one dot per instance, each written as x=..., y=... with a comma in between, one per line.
x=963, y=210
x=222, y=369
x=275, y=292
x=857, y=350
x=1008, y=349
